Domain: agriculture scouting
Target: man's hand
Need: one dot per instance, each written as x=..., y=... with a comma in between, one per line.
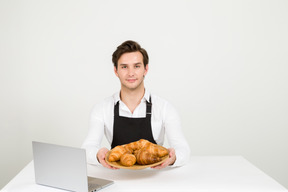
x=169, y=161
x=101, y=158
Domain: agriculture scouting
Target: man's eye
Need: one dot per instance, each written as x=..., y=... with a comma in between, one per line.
x=137, y=66
x=124, y=67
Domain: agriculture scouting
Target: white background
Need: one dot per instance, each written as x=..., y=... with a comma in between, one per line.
x=223, y=64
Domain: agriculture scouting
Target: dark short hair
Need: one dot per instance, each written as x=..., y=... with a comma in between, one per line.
x=128, y=47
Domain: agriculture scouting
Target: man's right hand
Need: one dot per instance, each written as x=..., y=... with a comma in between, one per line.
x=101, y=158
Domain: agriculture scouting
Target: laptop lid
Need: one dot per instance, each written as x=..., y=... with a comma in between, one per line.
x=62, y=167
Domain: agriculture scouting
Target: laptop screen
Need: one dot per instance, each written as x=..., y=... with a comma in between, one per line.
x=60, y=166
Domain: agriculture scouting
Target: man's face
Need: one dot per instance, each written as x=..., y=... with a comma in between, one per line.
x=131, y=70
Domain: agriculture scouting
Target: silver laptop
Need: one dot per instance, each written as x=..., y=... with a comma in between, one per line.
x=64, y=168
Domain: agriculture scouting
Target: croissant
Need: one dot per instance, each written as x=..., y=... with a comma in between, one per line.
x=128, y=159
x=116, y=153
x=136, y=145
x=145, y=158
x=157, y=150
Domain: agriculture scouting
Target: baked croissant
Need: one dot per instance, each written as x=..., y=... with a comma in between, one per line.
x=130, y=147
x=128, y=159
x=157, y=150
x=116, y=153
x=145, y=158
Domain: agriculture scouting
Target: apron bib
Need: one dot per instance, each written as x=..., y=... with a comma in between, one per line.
x=127, y=130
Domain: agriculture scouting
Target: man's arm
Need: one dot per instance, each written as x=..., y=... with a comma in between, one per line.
x=173, y=129
x=93, y=140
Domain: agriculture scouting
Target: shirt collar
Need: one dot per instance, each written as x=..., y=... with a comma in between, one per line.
x=146, y=97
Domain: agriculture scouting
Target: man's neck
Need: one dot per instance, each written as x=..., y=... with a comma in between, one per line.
x=132, y=98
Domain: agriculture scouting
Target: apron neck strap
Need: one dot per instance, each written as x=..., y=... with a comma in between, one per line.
x=148, y=107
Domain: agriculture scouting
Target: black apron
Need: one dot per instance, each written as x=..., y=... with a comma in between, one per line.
x=127, y=130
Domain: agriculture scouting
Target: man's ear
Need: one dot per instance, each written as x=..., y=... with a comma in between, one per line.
x=115, y=71
x=146, y=70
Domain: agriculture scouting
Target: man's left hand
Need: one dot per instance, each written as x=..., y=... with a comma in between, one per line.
x=169, y=161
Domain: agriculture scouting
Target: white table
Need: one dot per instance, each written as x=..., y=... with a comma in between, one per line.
x=201, y=174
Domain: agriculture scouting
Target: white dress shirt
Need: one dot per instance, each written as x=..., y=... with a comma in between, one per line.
x=164, y=120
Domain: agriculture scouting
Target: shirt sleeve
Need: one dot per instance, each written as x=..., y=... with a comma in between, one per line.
x=175, y=136
x=92, y=143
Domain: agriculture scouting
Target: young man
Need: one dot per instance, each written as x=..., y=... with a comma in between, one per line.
x=134, y=113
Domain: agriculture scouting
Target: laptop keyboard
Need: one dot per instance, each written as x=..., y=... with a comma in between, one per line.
x=93, y=187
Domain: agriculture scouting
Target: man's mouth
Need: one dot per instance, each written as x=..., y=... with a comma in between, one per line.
x=131, y=80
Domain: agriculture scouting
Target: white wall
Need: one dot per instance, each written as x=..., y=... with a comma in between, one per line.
x=223, y=64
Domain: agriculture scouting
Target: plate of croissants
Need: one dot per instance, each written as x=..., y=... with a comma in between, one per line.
x=140, y=154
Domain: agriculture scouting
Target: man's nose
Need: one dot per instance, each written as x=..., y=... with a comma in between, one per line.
x=131, y=71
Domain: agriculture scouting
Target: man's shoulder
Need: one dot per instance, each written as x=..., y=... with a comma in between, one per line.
x=105, y=104
x=158, y=100
x=163, y=107
x=162, y=102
